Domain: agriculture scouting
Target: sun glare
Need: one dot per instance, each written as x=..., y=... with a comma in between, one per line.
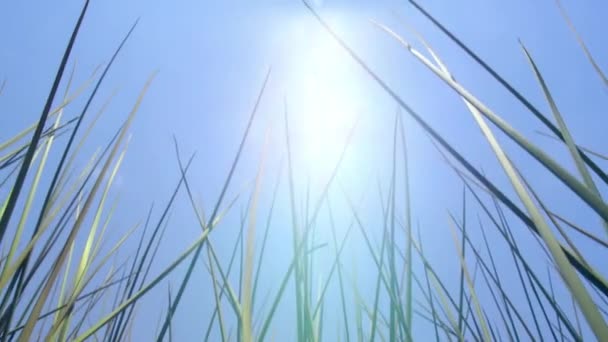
x=326, y=101
x=324, y=124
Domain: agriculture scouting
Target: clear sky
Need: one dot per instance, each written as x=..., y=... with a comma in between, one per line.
x=212, y=57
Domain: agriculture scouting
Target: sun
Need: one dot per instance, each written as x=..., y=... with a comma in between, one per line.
x=324, y=122
x=323, y=99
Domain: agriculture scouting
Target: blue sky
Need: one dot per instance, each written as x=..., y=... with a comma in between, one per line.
x=212, y=58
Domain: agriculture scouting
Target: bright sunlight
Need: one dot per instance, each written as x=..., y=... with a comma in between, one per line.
x=322, y=99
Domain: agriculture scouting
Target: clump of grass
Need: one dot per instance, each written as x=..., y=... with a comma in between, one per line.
x=51, y=287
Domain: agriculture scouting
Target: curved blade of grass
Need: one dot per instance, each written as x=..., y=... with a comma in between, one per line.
x=594, y=202
x=581, y=42
x=507, y=86
x=582, y=169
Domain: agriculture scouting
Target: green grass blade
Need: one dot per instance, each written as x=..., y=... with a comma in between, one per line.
x=572, y=147
x=29, y=326
x=340, y=278
x=145, y=289
x=428, y=288
x=507, y=86
x=477, y=305
x=480, y=110
x=218, y=303
x=16, y=190
x=581, y=42
x=265, y=238
x=215, y=211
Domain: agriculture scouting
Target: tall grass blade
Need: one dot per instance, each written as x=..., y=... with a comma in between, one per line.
x=214, y=213
x=507, y=86
x=582, y=169
x=477, y=305
x=27, y=330
x=481, y=110
x=581, y=42
x=16, y=190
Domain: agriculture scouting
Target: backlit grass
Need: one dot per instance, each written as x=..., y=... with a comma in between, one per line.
x=58, y=281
